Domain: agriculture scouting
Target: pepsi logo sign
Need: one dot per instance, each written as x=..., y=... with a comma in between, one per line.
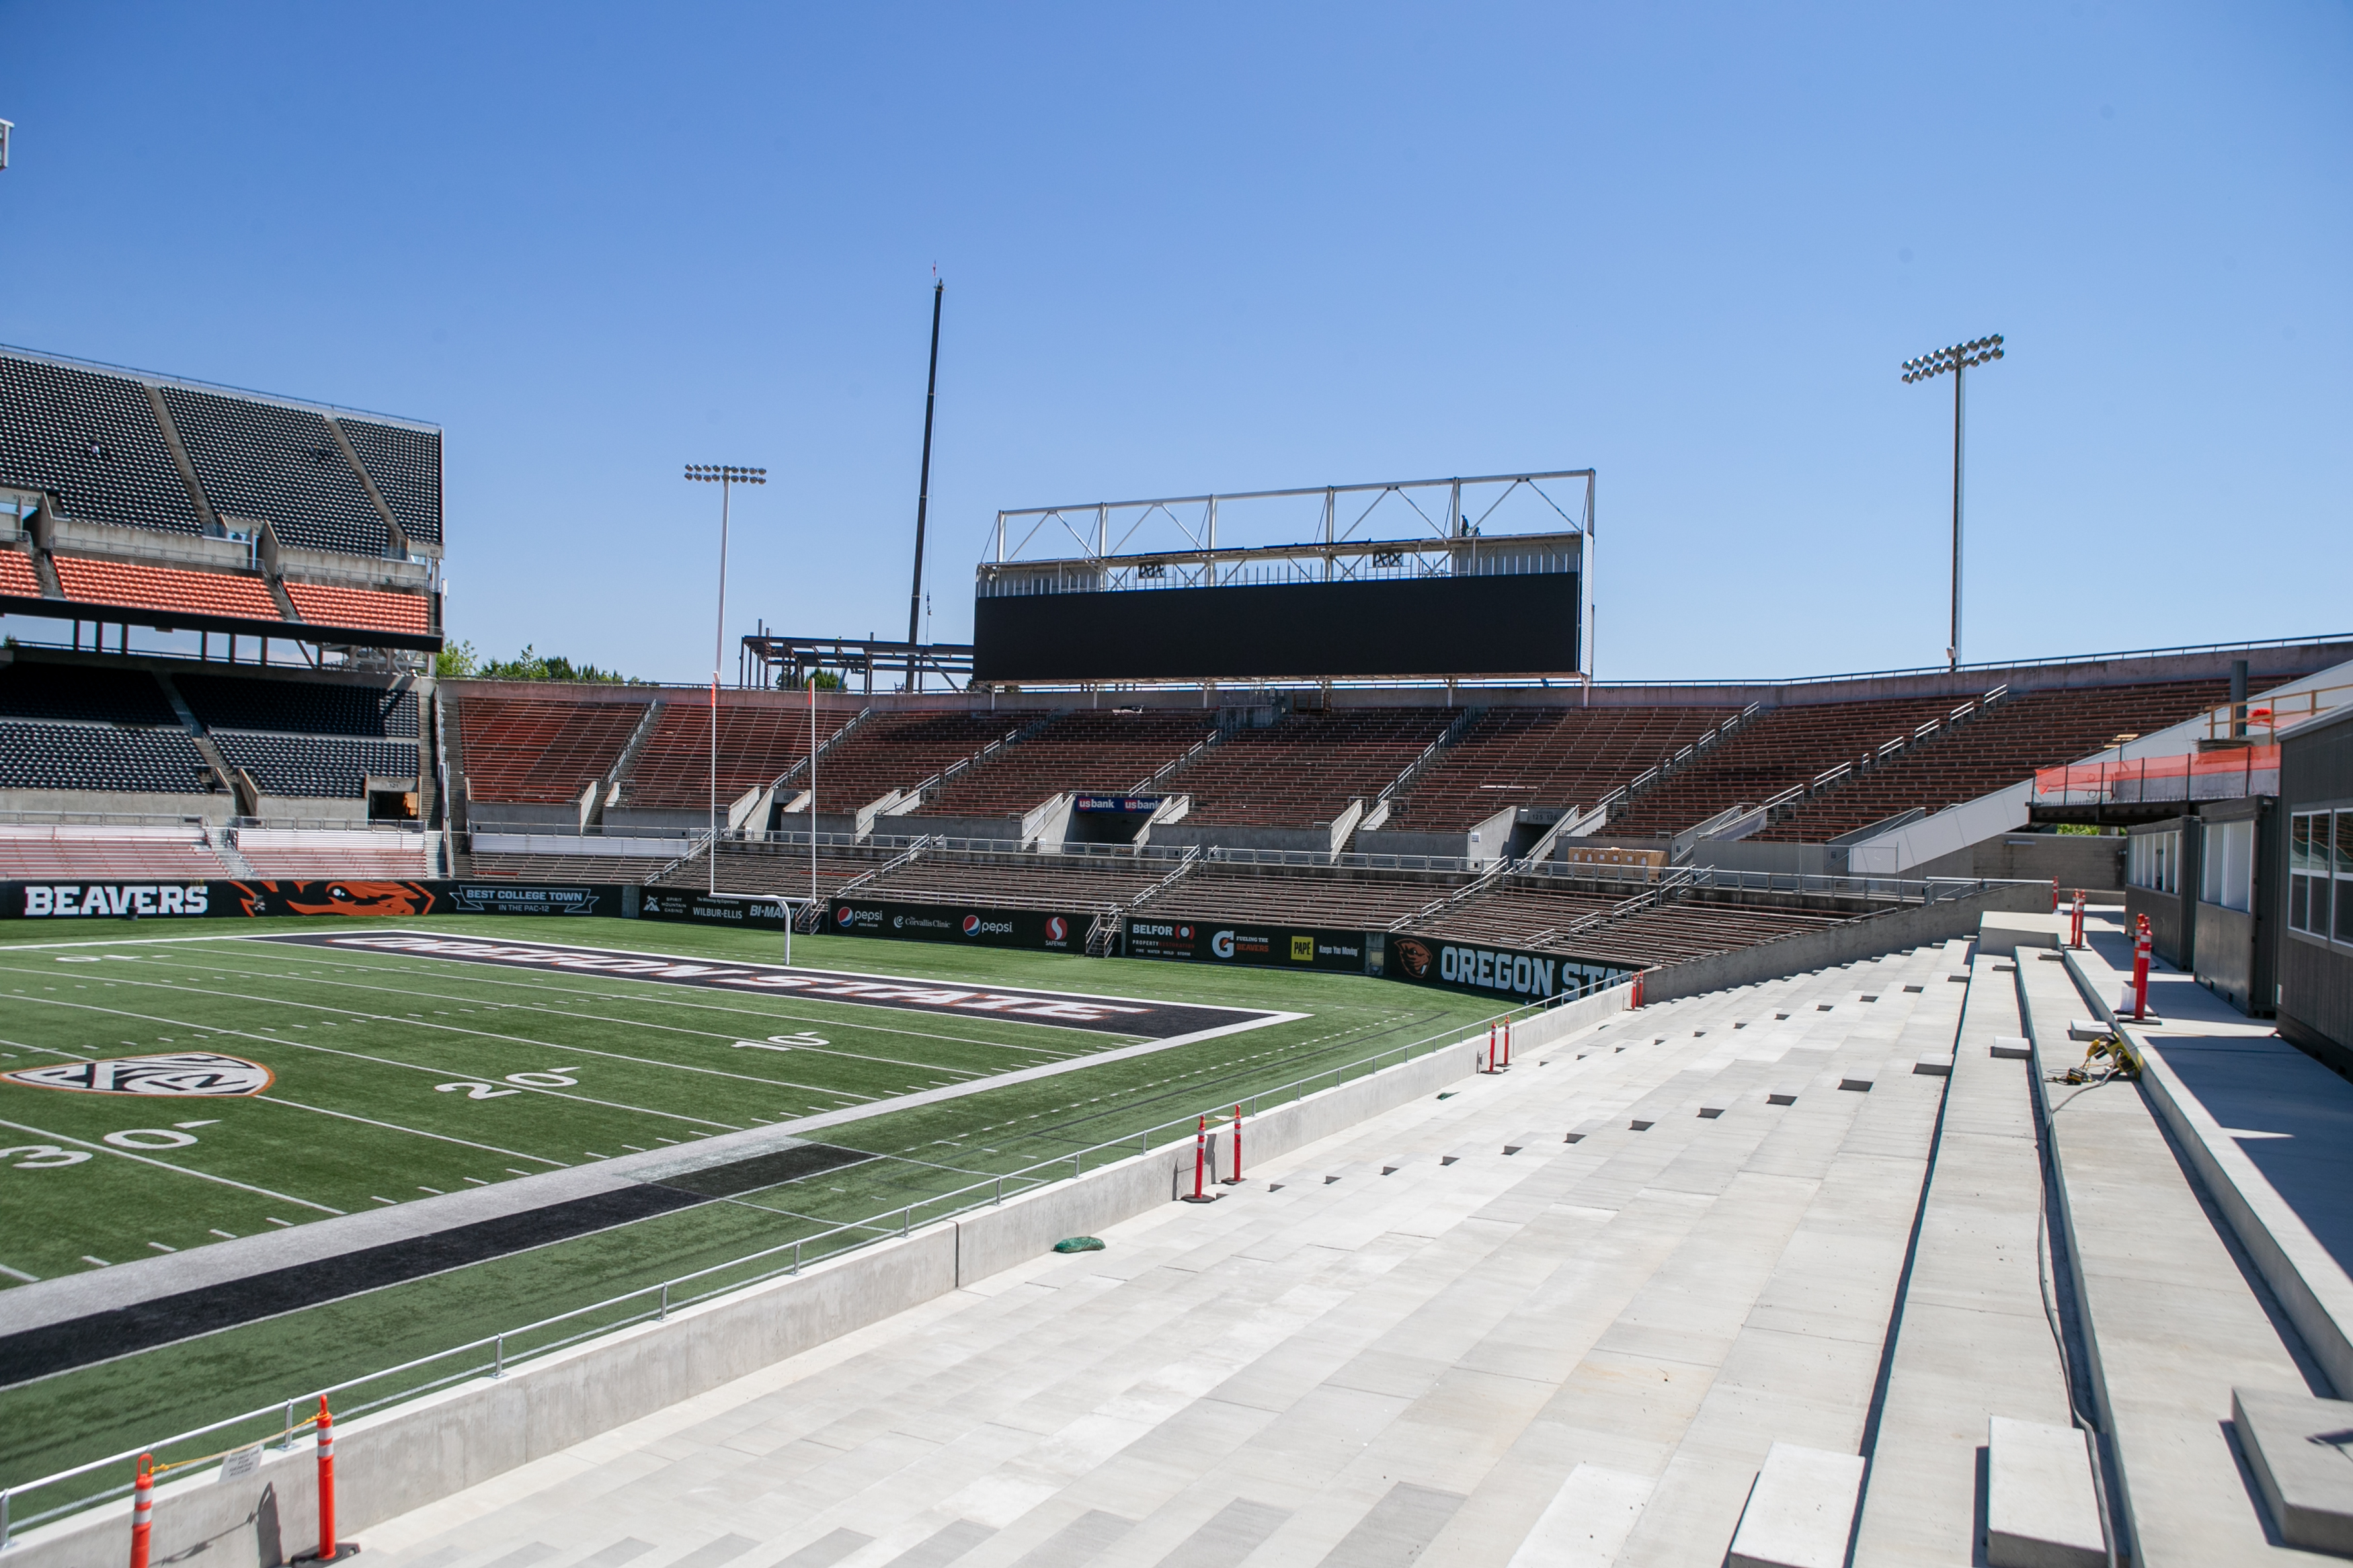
x=972, y=925
x=842, y=916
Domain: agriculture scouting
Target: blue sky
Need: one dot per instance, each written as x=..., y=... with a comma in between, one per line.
x=1242, y=248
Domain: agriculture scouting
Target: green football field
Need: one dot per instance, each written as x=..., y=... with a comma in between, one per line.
x=173, y=1086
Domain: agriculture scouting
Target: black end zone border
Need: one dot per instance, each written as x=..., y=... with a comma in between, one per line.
x=1127, y=1016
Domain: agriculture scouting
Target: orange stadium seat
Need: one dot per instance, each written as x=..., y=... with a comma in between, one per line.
x=16, y=575
x=165, y=588
x=325, y=606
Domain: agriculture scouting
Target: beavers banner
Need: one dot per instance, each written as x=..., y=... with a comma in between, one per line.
x=286, y=896
x=1494, y=971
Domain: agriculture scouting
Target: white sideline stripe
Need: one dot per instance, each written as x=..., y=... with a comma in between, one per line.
x=167, y=1166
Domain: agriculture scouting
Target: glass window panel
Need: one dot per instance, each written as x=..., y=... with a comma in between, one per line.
x=2344, y=842
x=2319, y=926
x=2299, y=903
x=2345, y=909
x=2299, y=842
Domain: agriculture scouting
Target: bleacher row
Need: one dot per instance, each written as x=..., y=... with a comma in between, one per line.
x=1303, y=769
x=111, y=730
x=235, y=596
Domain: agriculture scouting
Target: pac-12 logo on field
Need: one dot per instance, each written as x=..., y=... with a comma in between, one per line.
x=1056, y=929
x=184, y=1073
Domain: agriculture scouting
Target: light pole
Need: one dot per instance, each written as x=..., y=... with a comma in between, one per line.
x=726, y=476
x=1936, y=363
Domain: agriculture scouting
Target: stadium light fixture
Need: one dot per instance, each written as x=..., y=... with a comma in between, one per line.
x=726, y=476
x=5, y=127
x=1957, y=359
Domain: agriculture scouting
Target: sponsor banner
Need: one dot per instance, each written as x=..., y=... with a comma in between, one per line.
x=1054, y=930
x=705, y=908
x=1496, y=971
x=1232, y=942
x=350, y=896
x=1124, y=805
x=1131, y=1017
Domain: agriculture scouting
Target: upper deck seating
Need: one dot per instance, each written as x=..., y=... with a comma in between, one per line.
x=756, y=746
x=278, y=464
x=526, y=749
x=1087, y=750
x=323, y=767
x=300, y=707
x=1305, y=770
x=322, y=605
x=900, y=750
x=83, y=694
x=404, y=465
x=145, y=588
x=44, y=853
x=1778, y=748
x=2000, y=746
x=92, y=441
x=1545, y=757
x=101, y=757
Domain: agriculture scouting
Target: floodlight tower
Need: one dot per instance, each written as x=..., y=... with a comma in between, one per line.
x=726, y=476
x=5, y=127
x=1957, y=359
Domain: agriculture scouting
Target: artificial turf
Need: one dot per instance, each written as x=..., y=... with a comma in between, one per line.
x=545, y=1070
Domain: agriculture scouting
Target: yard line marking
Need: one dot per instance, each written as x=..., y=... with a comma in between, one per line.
x=20, y=1273
x=396, y=1127
x=219, y=1032
x=270, y=1036
x=847, y=1019
x=323, y=1110
x=638, y=1023
x=165, y=1165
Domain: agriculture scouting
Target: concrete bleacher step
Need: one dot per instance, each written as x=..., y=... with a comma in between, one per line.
x=2041, y=1507
x=1800, y=1510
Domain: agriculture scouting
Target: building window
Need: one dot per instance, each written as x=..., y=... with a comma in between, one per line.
x=2320, y=873
x=2154, y=862
x=2227, y=873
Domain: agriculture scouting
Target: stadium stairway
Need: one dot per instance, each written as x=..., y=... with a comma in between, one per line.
x=1625, y=1268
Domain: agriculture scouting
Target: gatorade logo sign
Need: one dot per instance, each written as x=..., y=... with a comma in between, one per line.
x=1222, y=944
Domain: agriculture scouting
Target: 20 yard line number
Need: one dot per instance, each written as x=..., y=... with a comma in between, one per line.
x=477, y=1089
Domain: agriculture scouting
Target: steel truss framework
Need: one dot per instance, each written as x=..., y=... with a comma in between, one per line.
x=772, y=659
x=1446, y=537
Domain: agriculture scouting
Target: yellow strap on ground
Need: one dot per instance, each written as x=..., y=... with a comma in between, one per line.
x=285, y=1435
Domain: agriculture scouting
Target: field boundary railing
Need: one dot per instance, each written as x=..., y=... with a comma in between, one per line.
x=491, y=1356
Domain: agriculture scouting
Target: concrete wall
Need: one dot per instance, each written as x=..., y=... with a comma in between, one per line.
x=1894, y=933
x=1381, y=841
x=1177, y=834
x=421, y=1452
x=213, y=808
x=1008, y=828
x=2070, y=859
x=1742, y=855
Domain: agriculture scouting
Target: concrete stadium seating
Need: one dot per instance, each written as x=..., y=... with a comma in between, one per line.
x=1304, y=769
x=1546, y=757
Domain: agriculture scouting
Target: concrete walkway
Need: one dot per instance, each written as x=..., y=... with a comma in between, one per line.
x=2176, y=1318
x=1402, y=1344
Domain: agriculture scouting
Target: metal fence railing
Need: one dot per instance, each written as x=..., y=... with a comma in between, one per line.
x=84, y=1486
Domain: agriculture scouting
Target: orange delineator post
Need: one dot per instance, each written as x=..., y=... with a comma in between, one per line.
x=2143, y=942
x=1638, y=988
x=1200, y=1156
x=2076, y=928
x=326, y=1482
x=143, y=1510
x=1237, y=1142
x=1507, y=1042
